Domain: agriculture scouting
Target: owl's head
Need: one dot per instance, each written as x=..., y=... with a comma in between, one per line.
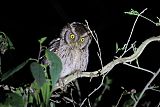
x=76, y=35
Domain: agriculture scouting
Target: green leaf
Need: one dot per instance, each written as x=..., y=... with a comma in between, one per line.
x=11, y=72
x=46, y=92
x=108, y=81
x=5, y=43
x=10, y=43
x=128, y=103
x=132, y=12
x=42, y=40
x=117, y=48
x=35, y=98
x=55, y=66
x=4, y=105
x=14, y=100
x=38, y=73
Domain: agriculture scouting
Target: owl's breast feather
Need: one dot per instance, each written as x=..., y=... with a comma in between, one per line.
x=76, y=58
x=72, y=60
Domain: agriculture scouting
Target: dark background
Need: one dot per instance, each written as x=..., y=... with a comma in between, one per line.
x=26, y=21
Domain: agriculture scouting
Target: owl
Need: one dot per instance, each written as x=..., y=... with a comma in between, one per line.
x=72, y=48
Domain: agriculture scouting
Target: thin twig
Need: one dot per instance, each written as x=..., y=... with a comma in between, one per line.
x=89, y=103
x=120, y=99
x=146, y=88
x=99, y=49
x=95, y=37
x=68, y=100
x=72, y=98
x=154, y=90
x=148, y=19
x=158, y=104
x=99, y=98
x=93, y=91
x=78, y=90
x=132, y=31
x=143, y=69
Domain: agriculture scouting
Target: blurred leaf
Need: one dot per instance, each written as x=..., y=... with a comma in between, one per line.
x=128, y=103
x=108, y=81
x=46, y=92
x=34, y=98
x=10, y=43
x=55, y=66
x=14, y=100
x=30, y=99
x=38, y=73
x=41, y=96
x=5, y=43
x=11, y=72
x=5, y=105
x=0, y=67
x=19, y=91
x=52, y=104
x=116, y=47
x=42, y=40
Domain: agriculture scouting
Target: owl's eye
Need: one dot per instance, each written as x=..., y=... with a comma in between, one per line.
x=72, y=36
x=82, y=39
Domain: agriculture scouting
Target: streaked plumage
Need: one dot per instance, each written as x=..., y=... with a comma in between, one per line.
x=72, y=48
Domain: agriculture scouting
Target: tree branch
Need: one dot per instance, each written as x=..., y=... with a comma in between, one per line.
x=107, y=68
x=146, y=88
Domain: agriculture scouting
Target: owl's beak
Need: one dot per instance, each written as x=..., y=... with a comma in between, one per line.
x=74, y=45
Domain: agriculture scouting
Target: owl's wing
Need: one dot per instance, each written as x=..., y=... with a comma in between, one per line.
x=54, y=44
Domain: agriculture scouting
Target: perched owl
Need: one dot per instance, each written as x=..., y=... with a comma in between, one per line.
x=72, y=48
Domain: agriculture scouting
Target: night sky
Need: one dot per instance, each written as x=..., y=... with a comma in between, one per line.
x=26, y=21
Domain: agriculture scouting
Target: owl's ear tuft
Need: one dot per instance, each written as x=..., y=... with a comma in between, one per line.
x=69, y=25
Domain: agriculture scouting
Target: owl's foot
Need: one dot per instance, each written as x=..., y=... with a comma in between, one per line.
x=63, y=87
x=78, y=73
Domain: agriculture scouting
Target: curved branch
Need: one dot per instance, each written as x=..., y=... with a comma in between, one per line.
x=109, y=66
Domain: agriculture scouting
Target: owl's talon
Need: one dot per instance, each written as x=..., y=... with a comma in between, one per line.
x=99, y=72
x=61, y=84
x=78, y=73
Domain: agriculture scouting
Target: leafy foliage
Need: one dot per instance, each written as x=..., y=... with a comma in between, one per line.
x=55, y=65
x=5, y=43
x=13, y=100
x=39, y=92
x=38, y=73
